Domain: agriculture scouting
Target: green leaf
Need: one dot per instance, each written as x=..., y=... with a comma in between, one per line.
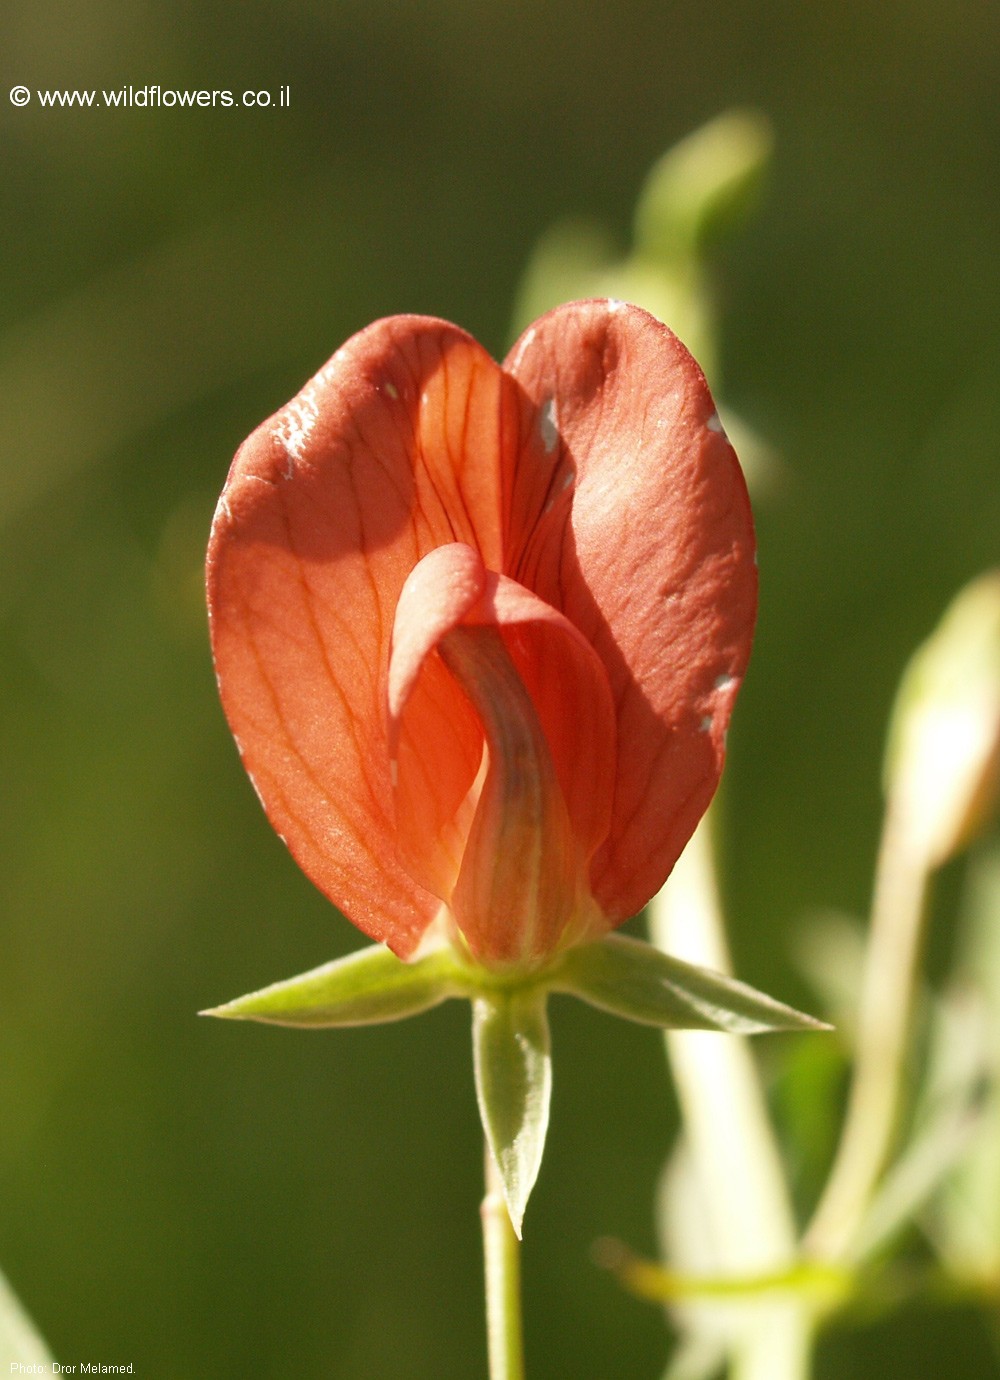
x=630, y=978
x=365, y=988
x=510, y=1043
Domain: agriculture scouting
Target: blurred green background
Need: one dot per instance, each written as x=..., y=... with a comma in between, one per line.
x=206, y=1200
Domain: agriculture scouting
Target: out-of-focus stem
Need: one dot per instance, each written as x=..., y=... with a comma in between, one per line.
x=729, y=1134
x=884, y=1017
x=20, y=1341
x=776, y=1345
x=501, y=1252
x=722, y=1103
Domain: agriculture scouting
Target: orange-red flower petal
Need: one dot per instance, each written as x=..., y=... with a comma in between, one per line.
x=501, y=824
x=646, y=544
x=393, y=448
x=587, y=487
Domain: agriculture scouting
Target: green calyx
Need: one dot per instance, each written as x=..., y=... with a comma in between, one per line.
x=630, y=978
x=369, y=987
x=624, y=976
x=618, y=974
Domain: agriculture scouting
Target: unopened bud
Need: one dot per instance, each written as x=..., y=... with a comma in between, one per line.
x=942, y=769
x=702, y=187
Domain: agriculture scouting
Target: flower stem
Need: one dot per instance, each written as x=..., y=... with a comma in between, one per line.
x=884, y=1020
x=501, y=1252
x=722, y=1102
x=750, y=1224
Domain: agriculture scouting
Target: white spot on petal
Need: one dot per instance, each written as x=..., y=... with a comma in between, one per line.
x=724, y=682
x=392, y=390
x=706, y=724
x=529, y=337
x=714, y=423
x=615, y=304
x=296, y=423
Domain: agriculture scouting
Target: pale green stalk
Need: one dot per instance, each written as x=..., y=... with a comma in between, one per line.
x=501, y=1251
x=730, y=1138
x=884, y=1018
x=20, y=1341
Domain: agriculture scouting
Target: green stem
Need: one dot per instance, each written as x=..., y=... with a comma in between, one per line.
x=884, y=1020
x=730, y=1138
x=501, y=1251
x=722, y=1102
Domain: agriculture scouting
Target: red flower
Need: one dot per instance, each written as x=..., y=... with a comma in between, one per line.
x=479, y=629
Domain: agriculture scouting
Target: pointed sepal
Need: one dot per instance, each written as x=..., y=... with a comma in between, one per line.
x=369, y=987
x=639, y=982
x=513, y=1066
